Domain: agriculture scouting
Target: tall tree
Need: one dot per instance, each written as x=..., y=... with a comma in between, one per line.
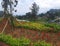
x=8, y=8
x=8, y=5
x=34, y=11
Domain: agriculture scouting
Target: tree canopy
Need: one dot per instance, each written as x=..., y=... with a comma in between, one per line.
x=8, y=5
x=34, y=10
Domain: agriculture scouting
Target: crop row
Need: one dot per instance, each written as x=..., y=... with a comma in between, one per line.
x=47, y=27
x=21, y=41
x=56, y=27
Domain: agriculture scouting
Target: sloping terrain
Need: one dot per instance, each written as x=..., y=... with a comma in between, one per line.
x=34, y=35
x=8, y=27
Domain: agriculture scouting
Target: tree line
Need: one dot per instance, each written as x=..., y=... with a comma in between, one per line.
x=34, y=16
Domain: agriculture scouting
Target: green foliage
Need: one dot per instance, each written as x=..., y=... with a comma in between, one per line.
x=0, y=18
x=41, y=43
x=21, y=41
x=53, y=25
x=39, y=26
x=14, y=41
x=32, y=25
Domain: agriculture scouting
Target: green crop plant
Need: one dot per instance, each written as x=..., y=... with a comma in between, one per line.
x=8, y=39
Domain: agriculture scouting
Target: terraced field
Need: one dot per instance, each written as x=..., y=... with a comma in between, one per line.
x=35, y=32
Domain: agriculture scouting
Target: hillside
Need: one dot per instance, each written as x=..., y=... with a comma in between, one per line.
x=33, y=31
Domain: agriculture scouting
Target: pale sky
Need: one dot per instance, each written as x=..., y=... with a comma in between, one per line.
x=45, y=5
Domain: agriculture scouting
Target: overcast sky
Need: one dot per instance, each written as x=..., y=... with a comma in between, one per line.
x=45, y=5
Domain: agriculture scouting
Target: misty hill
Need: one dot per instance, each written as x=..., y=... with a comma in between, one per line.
x=55, y=13
x=50, y=15
x=54, y=10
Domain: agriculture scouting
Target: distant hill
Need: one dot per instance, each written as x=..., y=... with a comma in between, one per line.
x=54, y=10
x=54, y=13
x=50, y=15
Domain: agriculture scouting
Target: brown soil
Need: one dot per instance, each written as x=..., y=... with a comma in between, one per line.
x=53, y=38
x=34, y=35
x=3, y=44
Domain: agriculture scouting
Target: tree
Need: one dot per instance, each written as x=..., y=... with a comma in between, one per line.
x=28, y=16
x=8, y=8
x=10, y=3
x=34, y=11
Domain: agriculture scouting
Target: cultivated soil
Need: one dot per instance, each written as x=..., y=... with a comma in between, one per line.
x=34, y=35
x=3, y=44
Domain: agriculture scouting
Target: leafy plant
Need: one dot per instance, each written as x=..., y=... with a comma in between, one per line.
x=32, y=25
x=41, y=43
x=21, y=41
